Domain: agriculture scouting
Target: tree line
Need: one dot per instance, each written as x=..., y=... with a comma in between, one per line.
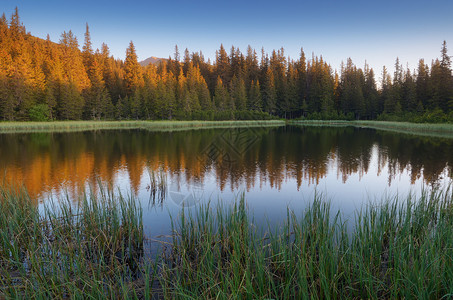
x=43, y=80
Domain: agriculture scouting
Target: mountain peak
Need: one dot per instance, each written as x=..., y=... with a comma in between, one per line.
x=151, y=60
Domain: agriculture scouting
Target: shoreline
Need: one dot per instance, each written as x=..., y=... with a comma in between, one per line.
x=72, y=126
x=442, y=130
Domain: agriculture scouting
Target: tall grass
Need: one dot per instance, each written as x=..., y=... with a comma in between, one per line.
x=63, y=126
x=426, y=129
x=399, y=249
x=157, y=186
x=93, y=249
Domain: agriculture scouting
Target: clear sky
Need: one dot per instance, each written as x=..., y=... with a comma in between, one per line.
x=376, y=31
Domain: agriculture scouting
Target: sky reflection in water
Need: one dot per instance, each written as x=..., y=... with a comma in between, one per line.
x=276, y=168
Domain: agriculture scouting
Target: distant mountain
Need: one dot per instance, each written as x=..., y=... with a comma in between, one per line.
x=151, y=60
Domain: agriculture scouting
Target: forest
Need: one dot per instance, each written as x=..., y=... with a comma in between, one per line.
x=41, y=80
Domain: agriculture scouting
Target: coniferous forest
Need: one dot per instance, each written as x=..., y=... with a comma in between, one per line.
x=42, y=80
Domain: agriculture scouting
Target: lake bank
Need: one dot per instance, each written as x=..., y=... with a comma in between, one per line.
x=70, y=126
x=423, y=129
x=398, y=249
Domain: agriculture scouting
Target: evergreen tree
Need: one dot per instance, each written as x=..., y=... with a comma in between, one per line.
x=132, y=70
x=97, y=99
x=409, y=95
x=16, y=28
x=370, y=94
x=394, y=102
x=221, y=96
x=386, y=99
x=238, y=93
x=445, y=84
x=223, y=65
x=255, y=98
x=422, y=85
x=71, y=104
x=270, y=94
x=301, y=79
x=51, y=99
x=74, y=70
x=87, y=50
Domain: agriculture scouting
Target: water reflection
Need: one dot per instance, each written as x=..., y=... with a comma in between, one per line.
x=231, y=159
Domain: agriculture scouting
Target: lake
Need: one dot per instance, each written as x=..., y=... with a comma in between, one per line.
x=275, y=167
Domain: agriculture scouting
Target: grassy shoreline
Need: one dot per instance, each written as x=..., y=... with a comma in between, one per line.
x=397, y=249
x=436, y=130
x=68, y=126
x=424, y=129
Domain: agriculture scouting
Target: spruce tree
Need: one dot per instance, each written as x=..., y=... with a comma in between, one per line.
x=132, y=70
x=270, y=94
x=255, y=98
x=221, y=95
x=445, y=85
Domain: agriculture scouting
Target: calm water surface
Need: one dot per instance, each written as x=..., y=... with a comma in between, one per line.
x=276, y=168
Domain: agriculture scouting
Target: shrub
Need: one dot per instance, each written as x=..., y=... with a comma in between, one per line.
x=39, y=113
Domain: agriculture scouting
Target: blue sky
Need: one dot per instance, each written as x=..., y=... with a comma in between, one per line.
x=376, y=31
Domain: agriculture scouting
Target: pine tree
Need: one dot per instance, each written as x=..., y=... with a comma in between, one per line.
x=270, y=94
x=251, y=67
x=74, y=70
x=386, y=100
x=396, y=91
x=409, y=92
x=221, y=96
x=71, y=104
x=132, y=70
x=223, y=65
x=238, y=93
x=50, y=98
x=169, y=97
x=87, y=50
x=370, y=94
x=16, y=27
x=97, y=99
x=177, y=58
x=422, y=85
x=301, y=70
x=445, y=85
x=255, y=98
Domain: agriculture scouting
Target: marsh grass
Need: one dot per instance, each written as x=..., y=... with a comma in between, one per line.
x=93, y=248
x=424, y=129
x=69, y=126
x=157, y=187
x=398, y=249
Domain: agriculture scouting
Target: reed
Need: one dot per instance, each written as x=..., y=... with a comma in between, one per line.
x=91, y=248
x=397, y=249
x=94, y=248
x=157, y=186
x=68, y=126
x=425, y=129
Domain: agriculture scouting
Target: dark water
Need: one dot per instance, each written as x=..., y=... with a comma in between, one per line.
x=274, y=167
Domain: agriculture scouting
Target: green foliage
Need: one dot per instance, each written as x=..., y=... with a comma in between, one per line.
x=39, y=113
x=332, y=115
x=429, y=116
